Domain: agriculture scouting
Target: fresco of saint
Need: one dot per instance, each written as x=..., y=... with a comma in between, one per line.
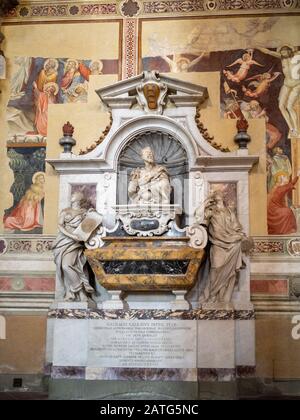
x=28, y=214
x=42, y=102
x=281, y=219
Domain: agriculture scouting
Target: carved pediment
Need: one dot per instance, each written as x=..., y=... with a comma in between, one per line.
x=151, y=91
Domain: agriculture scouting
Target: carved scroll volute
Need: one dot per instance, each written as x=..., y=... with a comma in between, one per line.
x=198, y=236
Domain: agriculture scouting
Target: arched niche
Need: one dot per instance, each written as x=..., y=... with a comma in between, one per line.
x=112, y=147
x=168, y=151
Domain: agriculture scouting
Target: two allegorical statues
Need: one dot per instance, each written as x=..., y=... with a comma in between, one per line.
x=150, y=185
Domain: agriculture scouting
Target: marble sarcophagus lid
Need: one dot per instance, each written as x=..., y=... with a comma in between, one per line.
x=146, y=264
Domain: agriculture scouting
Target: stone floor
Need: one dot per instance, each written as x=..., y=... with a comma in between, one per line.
x=38, y=396
x=67, y=389
x=22, y=396
x=29, y=396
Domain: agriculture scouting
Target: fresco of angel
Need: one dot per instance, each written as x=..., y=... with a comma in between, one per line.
x=261, y=83
x=245, y=63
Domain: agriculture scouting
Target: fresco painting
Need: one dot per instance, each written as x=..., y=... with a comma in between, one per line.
x=259, y=79
x=26, y=213
x=256, y=83
x=262, y=85
x=36, y=84
x=39, y=82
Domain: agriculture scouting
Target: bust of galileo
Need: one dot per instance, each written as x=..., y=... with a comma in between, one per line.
x=150, y=184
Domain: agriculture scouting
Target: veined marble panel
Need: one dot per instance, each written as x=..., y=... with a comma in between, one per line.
x=135, y=374
x=148, y=374
x=140, y=314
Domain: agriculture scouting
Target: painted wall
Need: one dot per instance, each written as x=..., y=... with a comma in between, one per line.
x=35, y=104
x=174, y=44
x=256, y=78
x=23, y=350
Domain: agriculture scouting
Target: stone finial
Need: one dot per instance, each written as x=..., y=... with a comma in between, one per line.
x=242, y=138
x=67, y=141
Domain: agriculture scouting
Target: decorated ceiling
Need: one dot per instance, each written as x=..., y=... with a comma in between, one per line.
x=44, y=10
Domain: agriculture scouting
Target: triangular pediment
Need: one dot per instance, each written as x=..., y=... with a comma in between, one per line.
x=151, y=91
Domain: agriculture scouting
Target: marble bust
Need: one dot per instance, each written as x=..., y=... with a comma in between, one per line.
x=151, y=184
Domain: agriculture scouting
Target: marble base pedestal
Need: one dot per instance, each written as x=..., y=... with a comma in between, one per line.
x=196, y=345
x=115, y=302
x=180, y=303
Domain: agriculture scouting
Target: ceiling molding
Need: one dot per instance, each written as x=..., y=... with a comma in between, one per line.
x=45, y=10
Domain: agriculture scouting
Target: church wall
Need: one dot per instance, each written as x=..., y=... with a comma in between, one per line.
x=220, y=40
x=277, y=353
x=62, y=42
x=23, y=350
x=126, y=46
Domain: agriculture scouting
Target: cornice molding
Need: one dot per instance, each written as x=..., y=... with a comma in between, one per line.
x=45, y=10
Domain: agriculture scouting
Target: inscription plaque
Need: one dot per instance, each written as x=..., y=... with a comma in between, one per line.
x=142, y=344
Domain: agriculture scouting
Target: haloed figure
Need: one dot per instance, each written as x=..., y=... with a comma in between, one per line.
x=245, y=63
x=28, y=214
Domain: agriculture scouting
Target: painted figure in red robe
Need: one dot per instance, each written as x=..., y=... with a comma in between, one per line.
x=281, y=219
x=42, y=102
x=28, y=214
